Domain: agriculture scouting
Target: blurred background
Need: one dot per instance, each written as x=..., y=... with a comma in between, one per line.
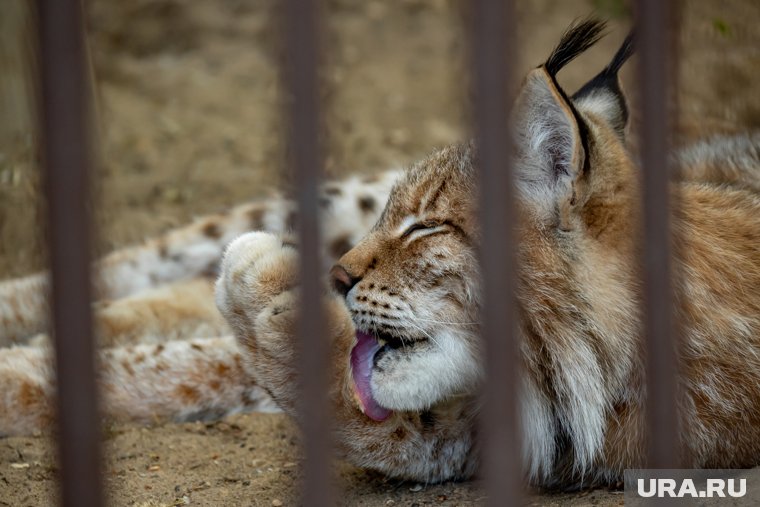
x=188, y=96
x=188, y=114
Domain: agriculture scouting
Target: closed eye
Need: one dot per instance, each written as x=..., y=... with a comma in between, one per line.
x=421, y=229
x=420, y=226
x=411, y=229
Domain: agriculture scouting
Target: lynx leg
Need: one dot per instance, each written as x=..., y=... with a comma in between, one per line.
x=178, y=380
x=178, y=311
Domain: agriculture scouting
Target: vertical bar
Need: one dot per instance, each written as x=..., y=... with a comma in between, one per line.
x=301, y=40
x=658, y=323
x=65, y=130
x=493, y=54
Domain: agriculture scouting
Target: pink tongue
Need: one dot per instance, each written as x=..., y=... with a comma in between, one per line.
x=362, y=356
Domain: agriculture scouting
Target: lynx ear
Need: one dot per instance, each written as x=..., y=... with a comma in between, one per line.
x=602, y=95
x=549, y=142
x=551, y=136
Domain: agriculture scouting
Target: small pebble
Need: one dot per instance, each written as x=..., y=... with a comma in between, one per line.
x=276, y=503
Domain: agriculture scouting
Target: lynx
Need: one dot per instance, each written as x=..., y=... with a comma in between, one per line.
x=403, y=303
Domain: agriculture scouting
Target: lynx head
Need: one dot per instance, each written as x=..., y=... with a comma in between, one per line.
x=412, y=284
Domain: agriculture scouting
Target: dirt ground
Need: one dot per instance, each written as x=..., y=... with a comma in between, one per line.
x=188, y=103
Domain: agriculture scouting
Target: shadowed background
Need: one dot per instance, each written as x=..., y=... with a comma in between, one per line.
x=188, y=105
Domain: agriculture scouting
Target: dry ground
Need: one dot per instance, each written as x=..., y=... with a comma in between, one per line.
x=188, y=116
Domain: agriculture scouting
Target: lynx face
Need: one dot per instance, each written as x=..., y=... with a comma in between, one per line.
x=411, y=288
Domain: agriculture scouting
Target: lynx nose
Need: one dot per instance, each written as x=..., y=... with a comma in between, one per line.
x=342, y=281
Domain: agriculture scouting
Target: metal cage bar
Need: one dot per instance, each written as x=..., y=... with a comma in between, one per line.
x=492, y=57
x=65, y=133
x=302, y=42
x=660, y=331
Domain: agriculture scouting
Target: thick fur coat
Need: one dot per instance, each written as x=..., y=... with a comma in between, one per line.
x=404, y=303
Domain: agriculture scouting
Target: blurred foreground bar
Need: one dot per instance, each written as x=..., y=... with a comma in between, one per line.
x=655, y=49
x=301, y=29
x=65, y=132
x=493, y=56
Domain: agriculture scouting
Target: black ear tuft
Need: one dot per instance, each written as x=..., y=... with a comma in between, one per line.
x=610, y=72
x=605, y=88
x=576, y=39
x=622, y=55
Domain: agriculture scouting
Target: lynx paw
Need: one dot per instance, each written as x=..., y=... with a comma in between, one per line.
x=257, y=267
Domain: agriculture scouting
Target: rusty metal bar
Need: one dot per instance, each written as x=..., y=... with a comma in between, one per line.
x=493, y=54
x=654, y=17
x=65, y=131
x=301, y=41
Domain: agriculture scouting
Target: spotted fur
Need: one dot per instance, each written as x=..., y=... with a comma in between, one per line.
x=153, y=299
x=412, y=280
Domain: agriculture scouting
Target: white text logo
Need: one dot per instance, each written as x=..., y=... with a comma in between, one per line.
x=662, y=488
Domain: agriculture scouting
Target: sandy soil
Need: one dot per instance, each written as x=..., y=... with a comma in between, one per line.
x=188, y=115
x=249, y=460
